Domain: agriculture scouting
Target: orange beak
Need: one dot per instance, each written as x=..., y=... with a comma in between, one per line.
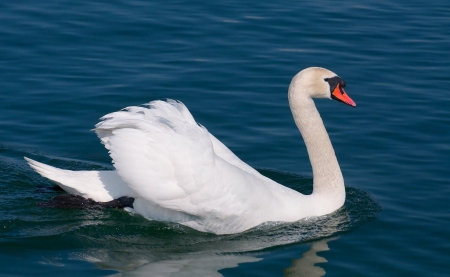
x=339, y=94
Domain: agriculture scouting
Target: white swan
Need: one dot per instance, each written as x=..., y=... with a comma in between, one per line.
x=177, y=171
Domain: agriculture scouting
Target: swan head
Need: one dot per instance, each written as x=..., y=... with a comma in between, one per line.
x=318, y=82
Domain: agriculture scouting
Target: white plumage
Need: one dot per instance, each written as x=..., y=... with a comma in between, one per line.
x=178, y=172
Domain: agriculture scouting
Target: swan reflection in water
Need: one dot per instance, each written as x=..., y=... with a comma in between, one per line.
x=209, y=264
x=180, y=251
x=309, y=263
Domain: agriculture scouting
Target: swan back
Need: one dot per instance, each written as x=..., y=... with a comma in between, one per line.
x=182, y=173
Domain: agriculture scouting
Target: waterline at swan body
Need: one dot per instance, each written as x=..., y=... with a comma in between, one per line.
x=177, y=171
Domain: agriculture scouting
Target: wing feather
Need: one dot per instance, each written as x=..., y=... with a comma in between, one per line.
x=173, y=163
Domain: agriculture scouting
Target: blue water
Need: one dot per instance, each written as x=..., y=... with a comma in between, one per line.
x=64, y=64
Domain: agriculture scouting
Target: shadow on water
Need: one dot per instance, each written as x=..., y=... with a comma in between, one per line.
x=133, y=246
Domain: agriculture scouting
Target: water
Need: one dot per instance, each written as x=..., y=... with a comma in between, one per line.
x=64, y=64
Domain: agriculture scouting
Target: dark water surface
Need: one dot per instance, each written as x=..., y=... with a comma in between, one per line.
x=64, y=64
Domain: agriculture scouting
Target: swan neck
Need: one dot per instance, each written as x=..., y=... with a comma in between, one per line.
x=328, y=180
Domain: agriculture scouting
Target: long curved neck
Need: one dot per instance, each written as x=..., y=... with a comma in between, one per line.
x=328, y=180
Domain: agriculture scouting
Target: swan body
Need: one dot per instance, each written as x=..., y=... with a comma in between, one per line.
x=177, y=171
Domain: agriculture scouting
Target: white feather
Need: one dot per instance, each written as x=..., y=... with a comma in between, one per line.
x=101, y=186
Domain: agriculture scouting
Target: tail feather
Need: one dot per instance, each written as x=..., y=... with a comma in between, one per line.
x=100, y=186
x=45, y=171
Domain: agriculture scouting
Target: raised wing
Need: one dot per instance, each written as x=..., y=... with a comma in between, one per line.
x=173, y=163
